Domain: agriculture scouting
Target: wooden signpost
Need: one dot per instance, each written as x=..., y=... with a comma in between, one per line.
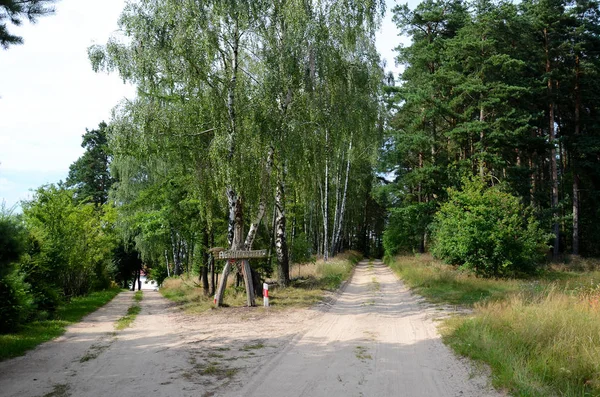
x=243, y=256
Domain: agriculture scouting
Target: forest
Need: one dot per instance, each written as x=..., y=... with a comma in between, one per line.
x=274, y=125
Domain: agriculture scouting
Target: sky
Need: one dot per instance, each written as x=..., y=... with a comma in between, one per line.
x=49, y=94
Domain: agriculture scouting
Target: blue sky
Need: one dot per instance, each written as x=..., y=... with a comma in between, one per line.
x=49, y=94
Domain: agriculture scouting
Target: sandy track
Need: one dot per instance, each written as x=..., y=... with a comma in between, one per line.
x=376, y=339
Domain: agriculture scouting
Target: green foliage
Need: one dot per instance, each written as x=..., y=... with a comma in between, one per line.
x=406, y=228
x=16, y=305
x=127, y=262
x=158, y=274
x=480, y=95
x=12, y=241
x=488, y=230
x=70, y=244
x=301, y=249
x=89, y=175
x=15, y=11
x=15, y=302
x=32, y=334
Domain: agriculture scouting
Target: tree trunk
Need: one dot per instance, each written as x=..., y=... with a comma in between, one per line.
x=336, y=242
x=574, y=161
x=281, y=247
x=236, y=244
x=262, y=205
x=553, y=164
x=326, y=201
x=176, y=252
x=205, y=262
x=231, y=90
x=481, y=137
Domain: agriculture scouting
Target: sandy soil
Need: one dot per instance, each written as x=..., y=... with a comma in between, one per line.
x=374, y=339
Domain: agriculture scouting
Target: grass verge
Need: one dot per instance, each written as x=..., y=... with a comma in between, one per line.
x=309, y=287
x=132, y=312
x=317, y=279
x=440, y=283
x=37, y=332
x=541, y=337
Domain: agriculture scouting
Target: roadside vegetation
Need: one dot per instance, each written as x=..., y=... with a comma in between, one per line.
x=30, y=335
x=132, y=312
x=540, y=335
x=309, y=284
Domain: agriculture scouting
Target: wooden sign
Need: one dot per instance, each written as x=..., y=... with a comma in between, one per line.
x=241, y=254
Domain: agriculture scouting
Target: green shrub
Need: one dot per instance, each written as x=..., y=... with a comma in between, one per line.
x=489, y=231
x=15, y=303
x=301, y=249
x=158, y=274
x=406, y=228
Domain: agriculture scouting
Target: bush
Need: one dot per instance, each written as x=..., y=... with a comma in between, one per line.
x=489, y=231
x=15, y=303
x=406, y=228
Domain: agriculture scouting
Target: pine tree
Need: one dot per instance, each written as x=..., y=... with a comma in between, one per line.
x=17, y=10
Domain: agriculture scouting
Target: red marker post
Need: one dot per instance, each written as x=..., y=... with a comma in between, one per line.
x=266, y=294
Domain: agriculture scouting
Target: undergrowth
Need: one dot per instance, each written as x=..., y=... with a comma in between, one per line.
x=32, y=334
x=308, y=286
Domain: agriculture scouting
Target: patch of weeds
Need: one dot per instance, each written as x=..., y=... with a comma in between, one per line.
x=375, y=286
x=217, y=370
x=94, y=352
x=61, y=390
x=138, y=296
x=222, y=349
x=370, y=302
x=254, y=346
x=127, y=320
x=361, y=353
x=215, y=355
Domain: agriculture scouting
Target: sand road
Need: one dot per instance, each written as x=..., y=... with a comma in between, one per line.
x=374, y=339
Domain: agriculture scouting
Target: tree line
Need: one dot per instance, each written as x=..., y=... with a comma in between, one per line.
x=272, y=125
x=255, y=125
x=505, y=92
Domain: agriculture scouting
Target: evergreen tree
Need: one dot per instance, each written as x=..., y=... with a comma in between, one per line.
x=90, y=174
x=15, y=11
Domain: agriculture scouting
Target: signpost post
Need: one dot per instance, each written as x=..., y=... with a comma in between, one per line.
x=266, y=295
x=244, y=255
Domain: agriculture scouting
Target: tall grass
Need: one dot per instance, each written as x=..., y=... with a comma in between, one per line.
x=541, y=337
x=537, y=345
x=441, y=283
x=311, y=283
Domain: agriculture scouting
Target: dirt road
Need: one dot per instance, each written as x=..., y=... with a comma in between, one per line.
x=375, y=339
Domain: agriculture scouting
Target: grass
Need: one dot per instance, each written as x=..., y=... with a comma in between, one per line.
x=317, y=280
x=440, y=283
x=254, y=346
x=541, y=337
x=310, y=288
x=37, y=332
x=361, y=353
x=129, y=318
x=61, y=390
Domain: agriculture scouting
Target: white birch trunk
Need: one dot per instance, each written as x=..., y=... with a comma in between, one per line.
x=326, y=201
x=338, y=234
